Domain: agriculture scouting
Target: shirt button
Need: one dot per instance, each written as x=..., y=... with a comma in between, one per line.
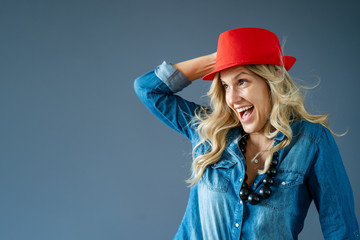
x=240, y=202
x=237, y=225
x=283, y=183
x=240, y=179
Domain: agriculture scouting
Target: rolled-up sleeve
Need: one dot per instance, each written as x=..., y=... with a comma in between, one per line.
x=172, y=77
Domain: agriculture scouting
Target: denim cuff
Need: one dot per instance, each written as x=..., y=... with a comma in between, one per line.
x=172, y=77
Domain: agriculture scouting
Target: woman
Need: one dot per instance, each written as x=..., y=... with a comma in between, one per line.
x=259, y=157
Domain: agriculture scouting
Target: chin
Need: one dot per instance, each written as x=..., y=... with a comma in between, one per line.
x=253, y=129
x=248, y=129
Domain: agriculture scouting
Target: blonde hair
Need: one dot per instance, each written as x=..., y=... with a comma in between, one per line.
x=213, y=123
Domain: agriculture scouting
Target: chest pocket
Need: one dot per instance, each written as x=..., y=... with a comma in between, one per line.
x=284, y=190
x=217, y=176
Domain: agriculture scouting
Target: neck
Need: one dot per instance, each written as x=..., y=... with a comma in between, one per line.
x=259, y=142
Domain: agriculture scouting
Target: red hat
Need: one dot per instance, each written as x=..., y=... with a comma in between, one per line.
x=243, y=46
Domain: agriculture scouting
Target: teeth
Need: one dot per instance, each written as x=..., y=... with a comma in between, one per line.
x=243, y=109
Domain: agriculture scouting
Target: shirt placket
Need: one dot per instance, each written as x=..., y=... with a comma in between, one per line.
x=239, y=212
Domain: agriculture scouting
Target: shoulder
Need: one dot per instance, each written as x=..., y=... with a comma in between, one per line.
x=313, y=131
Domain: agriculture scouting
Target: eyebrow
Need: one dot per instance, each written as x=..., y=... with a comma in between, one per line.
x=235, y=77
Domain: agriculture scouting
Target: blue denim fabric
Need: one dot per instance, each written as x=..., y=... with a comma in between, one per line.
x=310, y=168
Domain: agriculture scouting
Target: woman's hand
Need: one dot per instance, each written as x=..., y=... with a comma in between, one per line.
x=197, y=67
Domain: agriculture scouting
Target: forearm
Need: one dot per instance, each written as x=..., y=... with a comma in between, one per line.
x=197, y=67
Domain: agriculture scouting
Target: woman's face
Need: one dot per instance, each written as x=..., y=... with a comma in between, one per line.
x=249, y=96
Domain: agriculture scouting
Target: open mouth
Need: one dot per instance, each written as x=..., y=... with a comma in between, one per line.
x=245, y=112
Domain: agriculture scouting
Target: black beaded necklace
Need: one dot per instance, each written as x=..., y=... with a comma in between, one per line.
x=246, y=193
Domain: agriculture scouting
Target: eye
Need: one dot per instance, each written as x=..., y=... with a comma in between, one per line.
x=225, y=86
x=242, y=81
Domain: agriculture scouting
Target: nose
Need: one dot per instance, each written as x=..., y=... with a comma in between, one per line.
x=233, y=96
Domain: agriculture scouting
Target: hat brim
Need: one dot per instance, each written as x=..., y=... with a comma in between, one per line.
x=288, y=62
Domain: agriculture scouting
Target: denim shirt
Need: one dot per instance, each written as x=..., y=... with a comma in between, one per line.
x=310, y=168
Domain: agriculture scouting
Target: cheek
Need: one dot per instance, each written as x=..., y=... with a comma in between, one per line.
x=268, y=102
x=267, y=107
x=227, y=100
x=264, y=103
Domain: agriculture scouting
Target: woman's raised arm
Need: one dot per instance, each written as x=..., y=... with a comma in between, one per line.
x=197, y=67
x=157, y=90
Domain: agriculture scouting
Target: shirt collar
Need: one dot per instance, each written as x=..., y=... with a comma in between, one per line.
x=279, y=137
x=234, y=136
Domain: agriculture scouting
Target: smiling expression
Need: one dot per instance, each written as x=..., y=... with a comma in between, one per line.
x=249, y=96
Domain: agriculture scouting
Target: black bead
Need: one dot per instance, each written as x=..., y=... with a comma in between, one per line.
x=275, y=155
x=253, y=199
x=274, y=162
x=244, y=185
x=265, y=192
x=245, y=178
x=246, y=136
x=242, y=143
x=244, y=193
x=243, y=150
x=272, y=171
x=268, y=181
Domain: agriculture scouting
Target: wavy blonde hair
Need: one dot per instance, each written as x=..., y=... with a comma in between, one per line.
x=213, y=123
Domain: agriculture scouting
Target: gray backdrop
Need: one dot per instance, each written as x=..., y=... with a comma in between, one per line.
x=82, y=158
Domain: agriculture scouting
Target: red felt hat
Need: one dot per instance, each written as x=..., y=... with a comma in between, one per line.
x=243, y=46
